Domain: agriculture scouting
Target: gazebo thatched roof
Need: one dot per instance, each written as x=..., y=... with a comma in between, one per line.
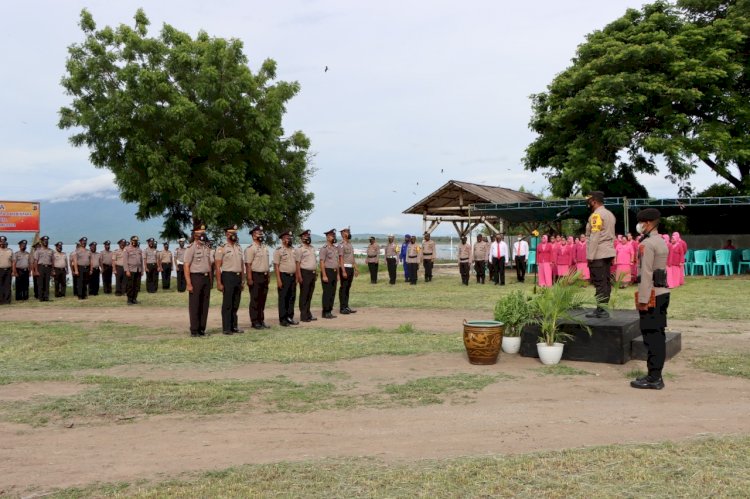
x=455, y=197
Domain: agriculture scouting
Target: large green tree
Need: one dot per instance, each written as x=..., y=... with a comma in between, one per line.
x=188, y=130
x=668, y=83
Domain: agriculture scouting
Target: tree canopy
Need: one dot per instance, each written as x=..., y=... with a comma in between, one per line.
x=188, y=130
x=668, y=83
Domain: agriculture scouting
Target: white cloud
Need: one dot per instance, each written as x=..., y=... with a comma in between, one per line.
x=101, y=186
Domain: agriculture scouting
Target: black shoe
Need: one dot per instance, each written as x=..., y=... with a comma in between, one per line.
x=131, y=303
x=648, y=383
x=313, y=318
x=284, y=323
x=194, y=335
x=227, y=332
x=344, y=311
x=329, y=315
x=292, y=322
x=350, y=310
x=258, y=326
x=599, y=313
x=305, y=320
x=238, y=331
x=135, y=302
x=265, y=326
x=202, y=333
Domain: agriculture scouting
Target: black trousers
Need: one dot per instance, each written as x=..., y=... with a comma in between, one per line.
x=373, y=268
x=119, y=280
x=181, y=284
x=498, y=267
x=82, y=285
x=392, y=268
x=287, y=296
x=36, y=286
x=521, y=268
x=61, y=283
x=599, y=271
x=107, y=278
x=329, y=290
x=6, y=276
x=75, y=284
x=22, y=284
x=152, y=278
x=306, y=288
x=345, y=287
x=166, y=275
x=413, y=272
x=653, y=323
x=464, y=268
x=198, y=302
x=230, y=303
x=258, y=295
x=133, y=286
x=480, y=266
x=428, y=263
x=94, y=282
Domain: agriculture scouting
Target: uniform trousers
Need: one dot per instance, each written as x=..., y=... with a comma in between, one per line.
x=406, y=272
x=329, y=290
x=306, y=288
x=287, y=296
x=392, y=264
x=653, y=322
x=107, y=279
x=181, y=284
x=480, y=267
x=498, y=267
x=166, y=275
x=61, y=282
x=520, y=268
x=345, y=287
x=413, y=272
x=94, y=281
x=230, y=303
x=464, y=268
x=36, y=286
x=258, y=295
x=119, y=280
x=428, y=264
x=152, y=278
x=83, y=282
x=373, y=268
x=198, y=302
x=5, y=285
x=600, y=277
x=22, y=284
x=75, y=285
x=133, y=286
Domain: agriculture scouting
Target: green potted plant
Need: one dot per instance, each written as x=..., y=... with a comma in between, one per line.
x=515, y=311
x=553, y=306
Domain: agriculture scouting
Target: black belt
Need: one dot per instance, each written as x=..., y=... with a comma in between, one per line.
x=463, y=259
x=427, y=254
x=84, y=266
x=200, y=273
x=230, y=272
x=264, y=273
x=287, y=273
x=46, y=265
x=309, y=270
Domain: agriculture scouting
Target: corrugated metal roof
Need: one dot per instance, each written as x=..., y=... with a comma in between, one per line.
x=455, y=197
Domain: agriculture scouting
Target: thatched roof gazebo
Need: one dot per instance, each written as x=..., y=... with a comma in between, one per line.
x=453, y=201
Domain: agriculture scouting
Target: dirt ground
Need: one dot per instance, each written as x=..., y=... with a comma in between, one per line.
x=527, y=414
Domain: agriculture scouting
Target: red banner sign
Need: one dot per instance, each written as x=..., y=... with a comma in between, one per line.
x=19, y=216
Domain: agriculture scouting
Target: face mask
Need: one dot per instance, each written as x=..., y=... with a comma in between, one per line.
x=639, y=228
x=306, y=240
x=519, y=238
x=233, y=238
x=334, y=240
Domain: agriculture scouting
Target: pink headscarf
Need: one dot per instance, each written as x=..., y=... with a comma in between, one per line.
x=665, y=237
x=544, y=238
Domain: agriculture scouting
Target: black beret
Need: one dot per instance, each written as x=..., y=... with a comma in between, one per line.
x=597, y=195
x=648, y=215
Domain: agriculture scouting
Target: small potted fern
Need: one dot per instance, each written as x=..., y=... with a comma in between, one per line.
x=551, y=307
x=515, y=311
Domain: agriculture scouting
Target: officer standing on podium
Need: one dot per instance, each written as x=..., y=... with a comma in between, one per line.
x=600, y=251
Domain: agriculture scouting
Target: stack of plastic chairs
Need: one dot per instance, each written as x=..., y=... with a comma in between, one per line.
x=723, y=262
x=531, y=262
x=745, y=261
x=702, y=260
x=689, y=259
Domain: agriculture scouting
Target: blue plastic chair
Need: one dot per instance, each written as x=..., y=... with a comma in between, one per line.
x=689, y=260
x=531, y=262
x=723, y=262
x=745, y=261
x=702, y=259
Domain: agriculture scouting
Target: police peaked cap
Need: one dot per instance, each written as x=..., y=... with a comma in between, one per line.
x=106, y=242
x=84, y=238
x=305, y=233
x=346, y=229
x=92, y=243
x=134, y=238
x=332, y=231
x=648, y=215
x=285, y=233
x=257, y=228
x=3, y=239
x=44, y=238
x=22, y=241
x=150, y=240
x=58, y=243
x=231, y=228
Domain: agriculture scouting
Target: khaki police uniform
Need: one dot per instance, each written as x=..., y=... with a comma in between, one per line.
x=80, y=260
x=413, y=258
x=118, y=258
x=391, y=259
x=329, y=265
x=61, y=268
x=465, y=256
x=22, y=270
x=257, y=263
x=165, y=261
x=42, y=264
x=95, y=273
x=600, y=251
x=150, y=258
x=372, y=259
x=285, y=267
x=198, y=265
x=307, y=263
x=481, y=255
x=429, y=255
x=179, y=257
x=107, y=268
x=230, y=272
x=347, y=271
x=6, y=271
x=133, y=267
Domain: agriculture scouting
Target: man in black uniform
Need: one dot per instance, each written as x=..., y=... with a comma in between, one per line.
x=652, y=298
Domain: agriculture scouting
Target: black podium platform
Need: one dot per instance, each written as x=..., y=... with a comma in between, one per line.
x=610, y=342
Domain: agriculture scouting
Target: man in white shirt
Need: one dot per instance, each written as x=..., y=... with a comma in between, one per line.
x=520, y=254
x=498, y=257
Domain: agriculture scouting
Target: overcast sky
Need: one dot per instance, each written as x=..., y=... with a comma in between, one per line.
x=413, y=88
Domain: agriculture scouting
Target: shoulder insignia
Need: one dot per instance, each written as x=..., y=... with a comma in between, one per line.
x=596, y=222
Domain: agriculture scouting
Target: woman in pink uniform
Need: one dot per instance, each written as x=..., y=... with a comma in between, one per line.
x=543, y=257
x=670, y=258
x=683, y=251
x=554, y=243
x=582, y=263
x=624, y=261
x=634, y=267
x=675, y=262
x=565, y=256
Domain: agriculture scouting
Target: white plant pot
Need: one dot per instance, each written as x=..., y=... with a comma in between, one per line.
x=511, y=344
x=549, y=355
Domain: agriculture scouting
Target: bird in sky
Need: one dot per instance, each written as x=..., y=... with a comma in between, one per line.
x=441, y=170
x=325, y=70
x=417, y=183
x=414, y=193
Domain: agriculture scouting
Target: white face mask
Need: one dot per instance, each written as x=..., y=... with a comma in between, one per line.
x=639, y=228
x=519, y=238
